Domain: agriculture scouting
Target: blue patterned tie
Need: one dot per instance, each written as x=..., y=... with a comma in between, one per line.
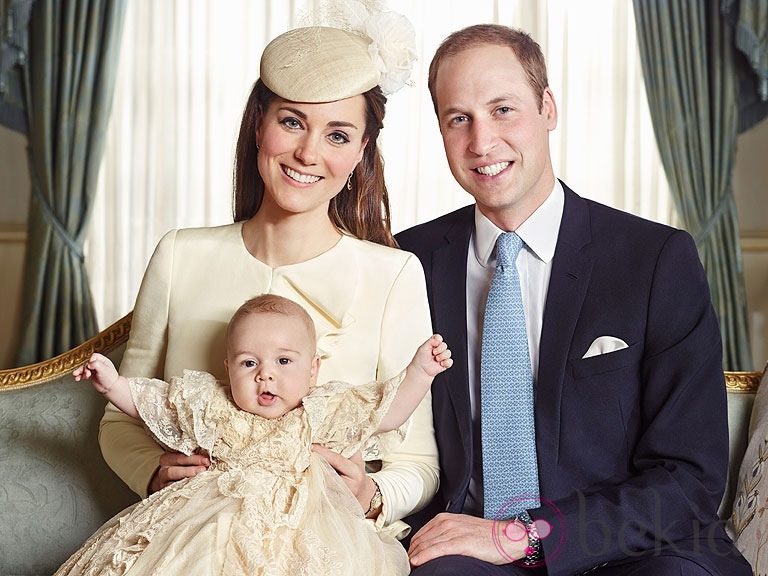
x=510, y=474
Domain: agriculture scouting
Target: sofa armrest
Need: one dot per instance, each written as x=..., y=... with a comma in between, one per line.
x=55, y=488
x=741, y=388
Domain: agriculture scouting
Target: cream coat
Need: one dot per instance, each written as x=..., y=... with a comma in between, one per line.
x=370, y=309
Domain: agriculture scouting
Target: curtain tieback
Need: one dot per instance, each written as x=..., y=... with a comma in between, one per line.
x=55, y=223
x=726, y=201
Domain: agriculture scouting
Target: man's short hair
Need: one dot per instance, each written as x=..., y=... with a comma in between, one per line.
x=526, y=49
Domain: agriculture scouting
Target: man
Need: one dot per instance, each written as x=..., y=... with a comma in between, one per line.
x=623, y=357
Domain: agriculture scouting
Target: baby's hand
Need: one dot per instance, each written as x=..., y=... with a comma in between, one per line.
x=433, y=356
x=99, y=370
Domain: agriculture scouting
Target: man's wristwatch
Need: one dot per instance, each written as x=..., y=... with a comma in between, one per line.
x=533, y=550
x=376, y=500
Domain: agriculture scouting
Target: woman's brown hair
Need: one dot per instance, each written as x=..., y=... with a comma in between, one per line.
x=362, y=211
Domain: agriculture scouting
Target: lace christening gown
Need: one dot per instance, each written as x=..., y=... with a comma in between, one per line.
x=267, y=506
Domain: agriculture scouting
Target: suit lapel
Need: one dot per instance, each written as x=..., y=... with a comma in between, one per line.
x=449, y=299
x=571, y=269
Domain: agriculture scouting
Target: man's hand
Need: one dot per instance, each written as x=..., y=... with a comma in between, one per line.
x=488, y=540
x=175, y=466
x=352, y=471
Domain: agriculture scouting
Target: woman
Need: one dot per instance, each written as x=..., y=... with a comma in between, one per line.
x=311, y=224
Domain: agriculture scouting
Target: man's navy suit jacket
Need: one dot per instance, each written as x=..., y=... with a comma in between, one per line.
x=632, y=445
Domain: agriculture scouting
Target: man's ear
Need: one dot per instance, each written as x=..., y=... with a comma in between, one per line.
x=549, y=108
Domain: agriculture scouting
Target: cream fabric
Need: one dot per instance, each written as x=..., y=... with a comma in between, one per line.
x=748, y=525
x=267, y=506
x=370, y=309
x=318, y=64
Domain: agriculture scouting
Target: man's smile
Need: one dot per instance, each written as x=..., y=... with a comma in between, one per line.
x=492, y=169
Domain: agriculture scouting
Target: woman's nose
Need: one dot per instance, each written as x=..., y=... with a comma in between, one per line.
x=306, y=151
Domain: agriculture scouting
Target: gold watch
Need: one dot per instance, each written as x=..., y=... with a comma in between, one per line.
x=376, y=500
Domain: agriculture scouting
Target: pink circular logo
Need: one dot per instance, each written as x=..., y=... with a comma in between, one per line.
x=507, y=535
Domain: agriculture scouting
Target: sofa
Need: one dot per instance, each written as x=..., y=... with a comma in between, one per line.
x=56, y=489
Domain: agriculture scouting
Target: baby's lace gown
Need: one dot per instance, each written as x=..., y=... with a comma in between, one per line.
x=267, y=506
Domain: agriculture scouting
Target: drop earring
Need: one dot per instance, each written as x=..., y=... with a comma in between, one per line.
x=349, y=181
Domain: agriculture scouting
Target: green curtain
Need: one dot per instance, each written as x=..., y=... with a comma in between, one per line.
x=749, y=19
x=687, y=56
x=14, y=21
x=70, y=77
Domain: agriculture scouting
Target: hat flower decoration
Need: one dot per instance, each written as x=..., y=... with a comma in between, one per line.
x=392, y=48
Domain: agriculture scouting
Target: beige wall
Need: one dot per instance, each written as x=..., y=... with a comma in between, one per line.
x=14, y=201
x=750, y=185
x=750, y=189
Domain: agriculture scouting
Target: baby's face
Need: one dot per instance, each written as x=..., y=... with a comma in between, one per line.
x=271, y=363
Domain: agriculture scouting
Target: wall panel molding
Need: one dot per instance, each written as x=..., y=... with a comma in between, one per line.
x=13, y=233
x=754, y=240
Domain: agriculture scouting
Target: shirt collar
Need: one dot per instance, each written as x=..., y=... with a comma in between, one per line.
x=539, y=231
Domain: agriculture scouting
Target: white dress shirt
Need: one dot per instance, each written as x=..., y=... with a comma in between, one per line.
x=534, y=265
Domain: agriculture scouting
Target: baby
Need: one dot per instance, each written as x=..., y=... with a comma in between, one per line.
x=267, y=504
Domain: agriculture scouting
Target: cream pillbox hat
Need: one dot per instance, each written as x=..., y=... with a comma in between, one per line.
x=328, y=63
x=318, y=64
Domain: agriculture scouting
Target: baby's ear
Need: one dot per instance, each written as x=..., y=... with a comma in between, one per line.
x=314, y=369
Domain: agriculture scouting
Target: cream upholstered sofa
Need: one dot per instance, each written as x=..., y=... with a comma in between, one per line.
x=55, y=488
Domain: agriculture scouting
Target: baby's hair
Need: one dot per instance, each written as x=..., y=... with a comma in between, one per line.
x=272, y=304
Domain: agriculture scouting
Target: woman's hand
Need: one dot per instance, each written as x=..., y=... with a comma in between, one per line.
x=352, y=471
x=175, y=466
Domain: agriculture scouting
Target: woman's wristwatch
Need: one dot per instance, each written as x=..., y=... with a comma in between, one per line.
x=376, y=500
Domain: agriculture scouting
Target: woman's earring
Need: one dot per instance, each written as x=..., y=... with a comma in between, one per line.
x=258, y=148
x=349, y=181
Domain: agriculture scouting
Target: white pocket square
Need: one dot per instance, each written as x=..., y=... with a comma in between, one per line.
x=604, y=345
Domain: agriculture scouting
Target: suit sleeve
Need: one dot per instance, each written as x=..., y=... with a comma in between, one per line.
x=126, y=446
x=409, y=475
x=679, y=463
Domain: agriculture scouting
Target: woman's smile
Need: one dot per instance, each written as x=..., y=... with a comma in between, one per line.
x=300, y=177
